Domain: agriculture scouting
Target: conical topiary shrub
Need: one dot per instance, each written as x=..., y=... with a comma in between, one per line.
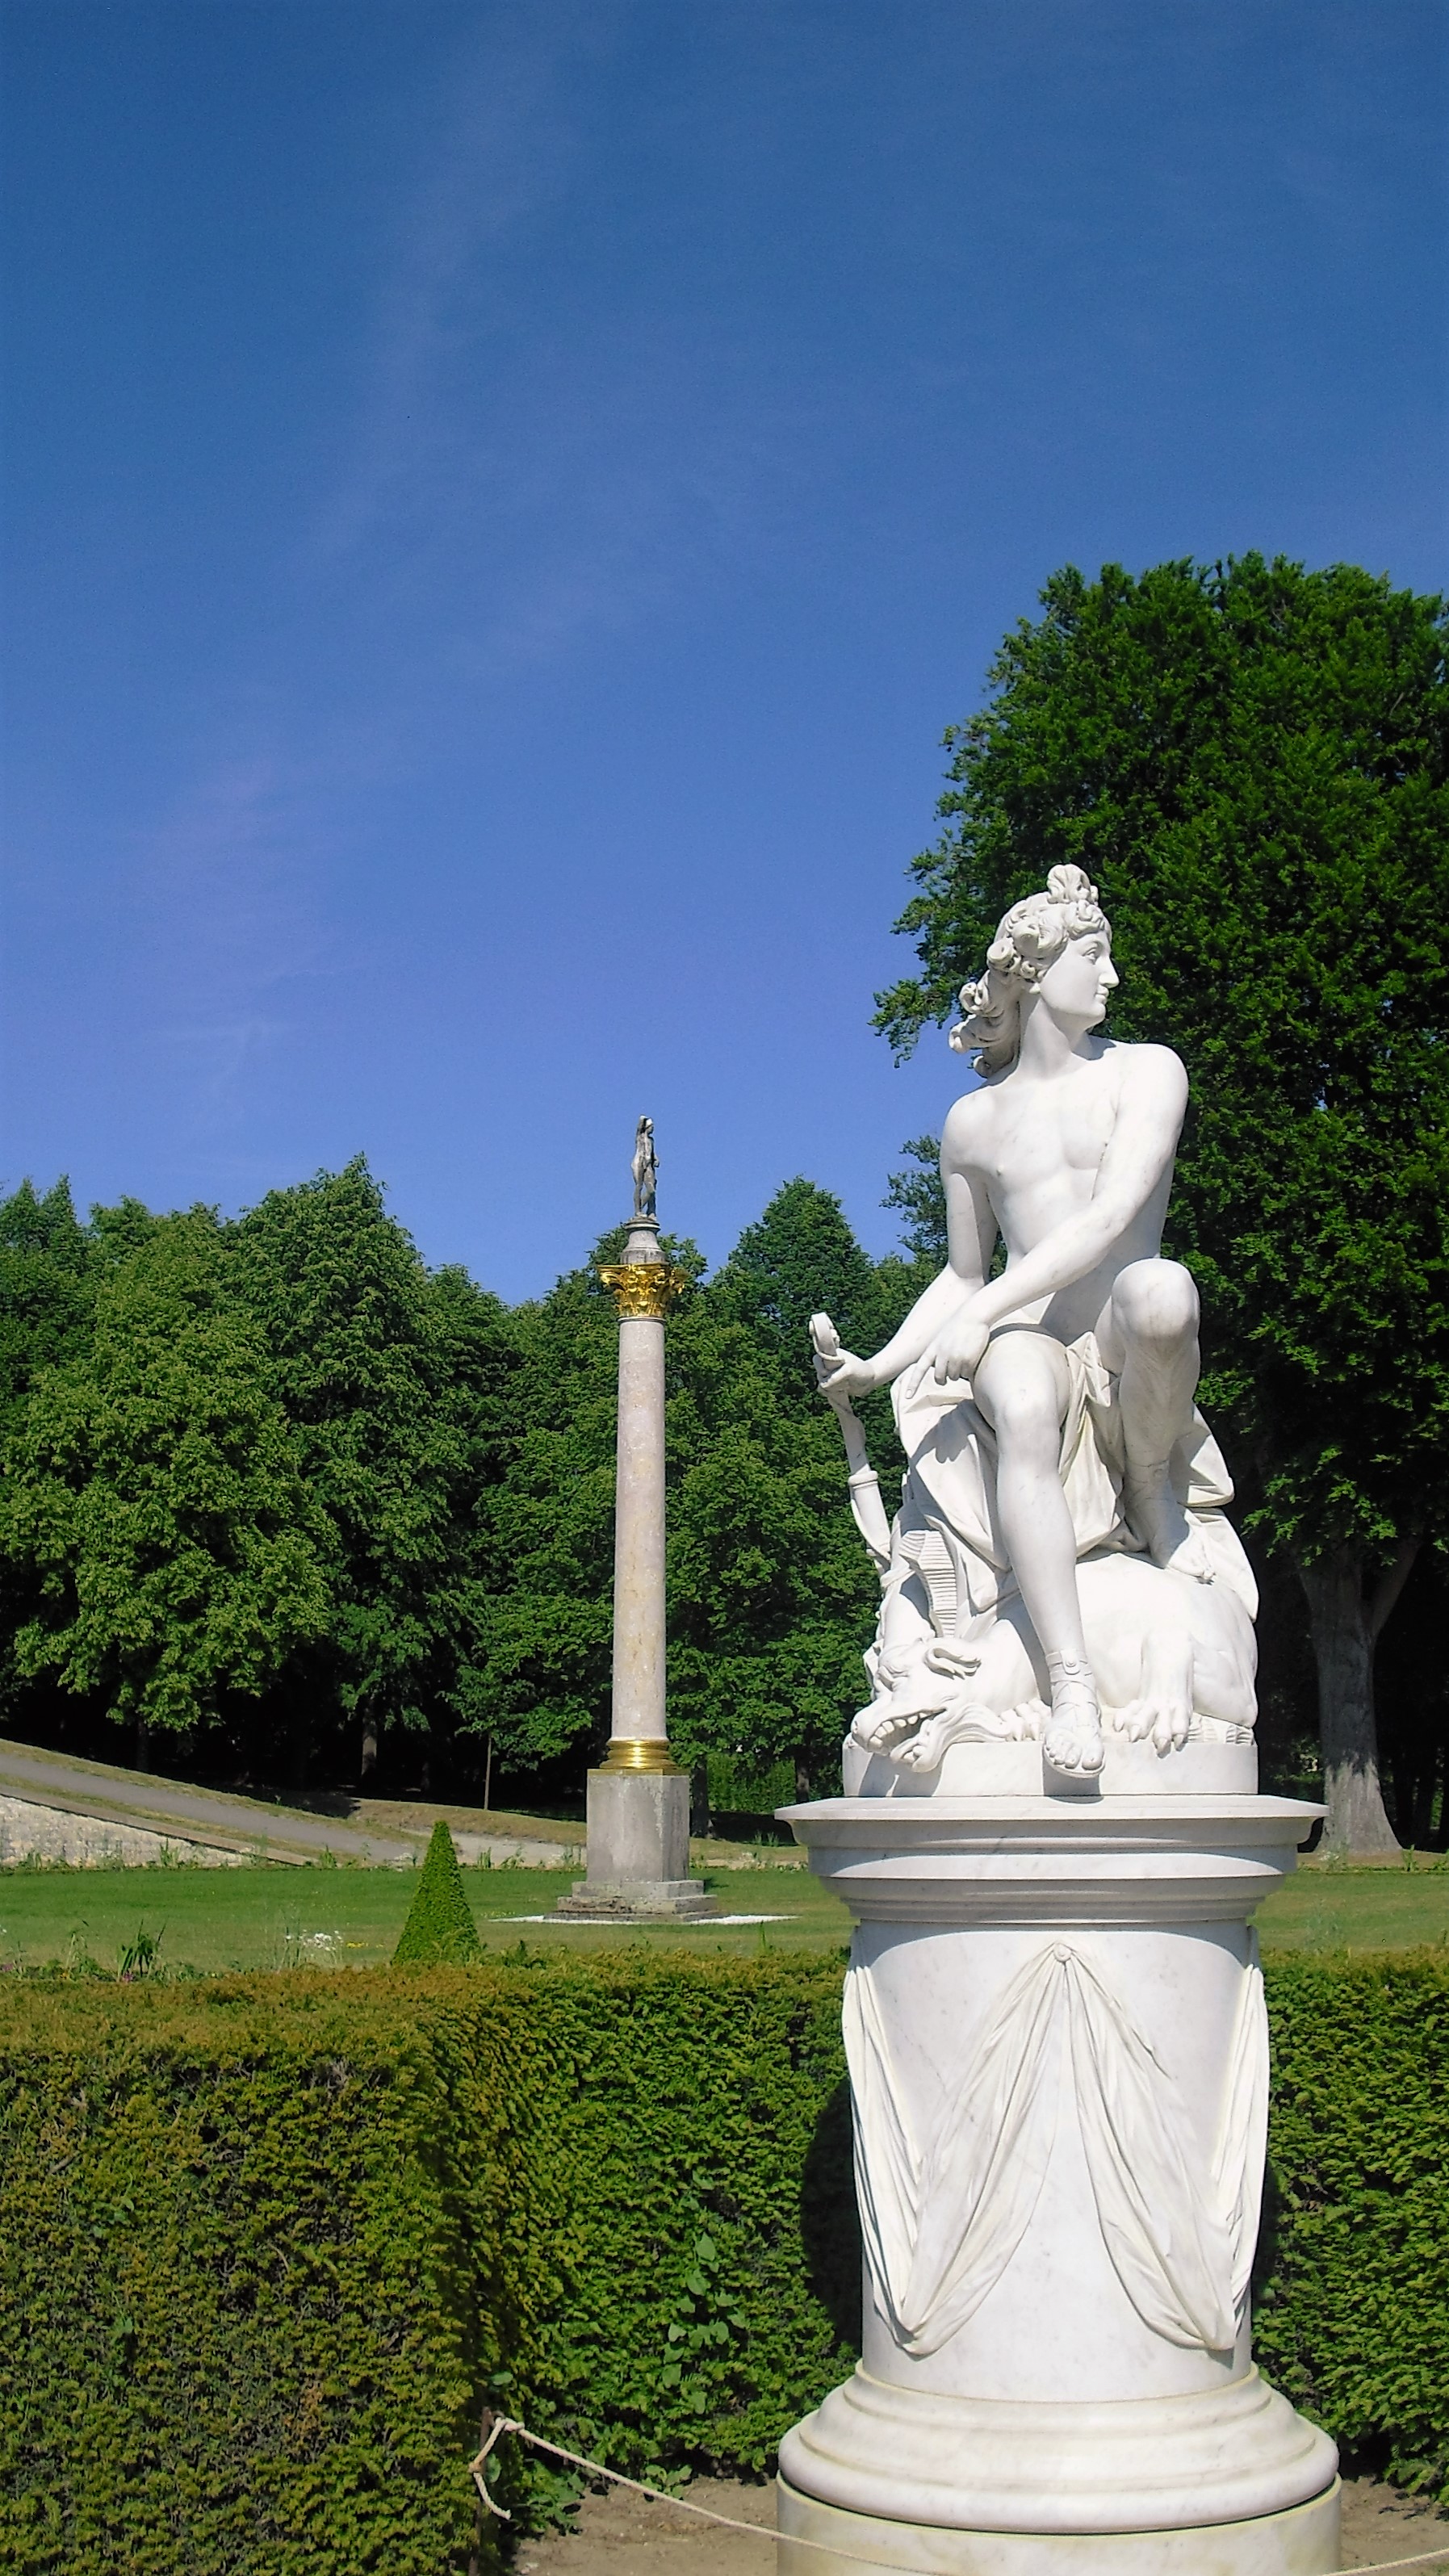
x=440, y=1923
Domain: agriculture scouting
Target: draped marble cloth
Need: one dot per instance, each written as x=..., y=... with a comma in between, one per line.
x=949, y=1493
x=942, y=2216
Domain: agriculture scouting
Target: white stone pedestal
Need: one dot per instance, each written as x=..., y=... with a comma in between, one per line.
x=1058, y=2056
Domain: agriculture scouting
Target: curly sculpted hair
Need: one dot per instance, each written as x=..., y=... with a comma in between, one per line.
x=1027, y=940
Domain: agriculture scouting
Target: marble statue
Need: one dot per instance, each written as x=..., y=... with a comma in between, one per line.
x=644, y=1165
x=1052, y=1845
x=1061, y=1553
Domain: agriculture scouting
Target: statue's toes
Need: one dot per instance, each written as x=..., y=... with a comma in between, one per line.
x=1075, y=1749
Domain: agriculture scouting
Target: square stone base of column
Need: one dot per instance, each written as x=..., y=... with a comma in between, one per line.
x=1301, y=2542
x=638, y=1851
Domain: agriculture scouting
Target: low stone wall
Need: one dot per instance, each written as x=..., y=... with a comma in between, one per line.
x=32, y=1832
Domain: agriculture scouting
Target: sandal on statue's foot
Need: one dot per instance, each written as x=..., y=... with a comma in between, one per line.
x=1072, y=1741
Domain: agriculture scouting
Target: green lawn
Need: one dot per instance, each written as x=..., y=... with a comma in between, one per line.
x=1324, y=1908
x=211, y=1919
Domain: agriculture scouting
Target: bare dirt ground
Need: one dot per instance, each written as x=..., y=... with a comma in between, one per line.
x=1380, y=2524
x=622, y=2535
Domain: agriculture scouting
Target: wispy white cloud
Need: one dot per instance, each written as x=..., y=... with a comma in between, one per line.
x=234, y=898
x=495, y=146
x=526, y=469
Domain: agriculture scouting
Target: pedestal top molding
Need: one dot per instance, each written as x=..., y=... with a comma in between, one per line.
x=1052, y=1860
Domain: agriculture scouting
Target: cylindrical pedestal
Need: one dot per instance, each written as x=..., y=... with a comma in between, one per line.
x=1058, y=2057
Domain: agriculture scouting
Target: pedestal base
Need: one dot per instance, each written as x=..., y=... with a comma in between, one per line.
x=638, y=1851
x=639, y=1900
x=1235, y=2458
x=1301, y=2542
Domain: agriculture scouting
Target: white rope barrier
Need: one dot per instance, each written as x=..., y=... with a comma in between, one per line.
x=502, y=2424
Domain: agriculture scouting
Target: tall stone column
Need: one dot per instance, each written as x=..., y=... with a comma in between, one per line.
x=638, y=1800
x=643, y=1285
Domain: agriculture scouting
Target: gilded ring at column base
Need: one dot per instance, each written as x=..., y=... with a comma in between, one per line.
x=640, y=1753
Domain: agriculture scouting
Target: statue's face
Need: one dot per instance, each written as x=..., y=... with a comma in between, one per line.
x=1078, y=984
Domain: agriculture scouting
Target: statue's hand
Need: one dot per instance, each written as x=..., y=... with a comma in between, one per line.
x=843, y=1375
x=838, y=1373
x=959, y=1349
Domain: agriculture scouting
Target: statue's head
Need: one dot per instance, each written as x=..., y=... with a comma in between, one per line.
x=1029, y=939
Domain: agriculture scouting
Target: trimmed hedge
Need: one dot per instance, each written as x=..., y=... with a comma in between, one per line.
x=266, y=2243
x=1351, y=2305
x=238, y=2320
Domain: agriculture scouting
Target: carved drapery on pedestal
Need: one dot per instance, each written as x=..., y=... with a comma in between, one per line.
x=941, y=2223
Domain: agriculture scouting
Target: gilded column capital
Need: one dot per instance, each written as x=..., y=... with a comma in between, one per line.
x=643, y=1287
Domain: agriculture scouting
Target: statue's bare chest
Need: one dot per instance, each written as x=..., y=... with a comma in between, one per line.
x=1038, y=1133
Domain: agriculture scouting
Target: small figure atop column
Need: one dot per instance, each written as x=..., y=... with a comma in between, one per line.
x=645, y=1168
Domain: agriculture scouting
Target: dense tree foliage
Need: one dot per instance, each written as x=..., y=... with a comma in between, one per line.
x=279, y=1494
x=1252, y=762
x=156, y=1501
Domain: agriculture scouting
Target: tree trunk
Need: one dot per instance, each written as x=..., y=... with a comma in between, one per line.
x=143, y=1745
x=700, y=1819
x=369, y=1749
x=1422, y=1827
x=1343, y=1630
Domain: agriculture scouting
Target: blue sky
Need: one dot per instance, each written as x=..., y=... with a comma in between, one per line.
x=500, y=503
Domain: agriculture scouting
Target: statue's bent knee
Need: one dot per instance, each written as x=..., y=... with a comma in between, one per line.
x=1156, y=1301
x=1019, y=1390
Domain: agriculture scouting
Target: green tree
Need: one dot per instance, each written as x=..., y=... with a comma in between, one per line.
x=46, y=1302
x=771, y=1594
x=385, y=1376
x=919, y=1198
x=1252, y=761
x=45, y=1290
x=154, y=1500
x=771, y=1597
x=540, y=1683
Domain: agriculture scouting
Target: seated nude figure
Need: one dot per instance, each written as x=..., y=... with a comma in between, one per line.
x=1065, y=1151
